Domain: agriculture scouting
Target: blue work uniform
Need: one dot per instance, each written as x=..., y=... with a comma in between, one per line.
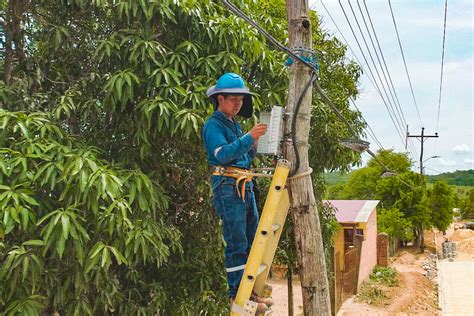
x=228, y=146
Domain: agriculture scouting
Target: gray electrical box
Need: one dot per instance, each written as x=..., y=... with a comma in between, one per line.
x=270, y=143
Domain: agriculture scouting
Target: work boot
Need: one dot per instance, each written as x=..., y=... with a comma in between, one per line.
x=262, y=308
x=265, y=300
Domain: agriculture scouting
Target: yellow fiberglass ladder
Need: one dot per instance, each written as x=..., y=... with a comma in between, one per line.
x=265, y=244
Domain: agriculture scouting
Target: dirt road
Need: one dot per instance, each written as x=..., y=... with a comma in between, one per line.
x=415, y=294
x=280, y=296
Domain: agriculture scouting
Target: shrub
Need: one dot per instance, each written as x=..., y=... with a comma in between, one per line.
x=371, y=294
x=384, y=275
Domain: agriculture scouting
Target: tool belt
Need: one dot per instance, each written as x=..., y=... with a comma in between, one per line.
x=241, y=176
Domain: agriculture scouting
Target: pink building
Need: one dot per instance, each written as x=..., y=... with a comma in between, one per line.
x=358, y=219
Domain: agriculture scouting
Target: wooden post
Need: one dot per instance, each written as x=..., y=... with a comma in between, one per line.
x=304, y=213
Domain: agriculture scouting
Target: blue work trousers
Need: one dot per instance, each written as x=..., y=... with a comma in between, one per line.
x=240, y=221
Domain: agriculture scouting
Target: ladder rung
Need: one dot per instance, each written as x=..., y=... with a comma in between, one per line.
x=262, y=268
x=275, y=227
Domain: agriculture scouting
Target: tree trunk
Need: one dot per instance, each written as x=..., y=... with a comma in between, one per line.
x=304, y=214
x=8, y=29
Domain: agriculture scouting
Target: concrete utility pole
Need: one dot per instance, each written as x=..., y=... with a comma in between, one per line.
x=422, y=139
x=304, y=213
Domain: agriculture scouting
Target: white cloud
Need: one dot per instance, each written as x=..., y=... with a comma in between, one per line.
x=445, y=162
x=469, y=161
x=461, y=149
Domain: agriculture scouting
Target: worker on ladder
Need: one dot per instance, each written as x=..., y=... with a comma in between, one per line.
x=230, y=153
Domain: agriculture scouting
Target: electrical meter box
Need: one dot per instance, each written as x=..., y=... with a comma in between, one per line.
x=270, y=143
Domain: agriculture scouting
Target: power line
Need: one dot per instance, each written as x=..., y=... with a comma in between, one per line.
x=242, y=15
x=326, y=100
x=345, y=40
x=390, y=87
x=370, y=76
x=383, y=59
x=375, y=66
x=433, y=170
x=442, y=61
x=404, y=61
x=389, y=107
x=371, y=73
x=442, y=67
x=370, y=131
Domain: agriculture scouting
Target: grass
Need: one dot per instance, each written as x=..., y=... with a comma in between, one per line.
x=384, y=275
x=371, y=294
x=462, y=190
x=372, y=291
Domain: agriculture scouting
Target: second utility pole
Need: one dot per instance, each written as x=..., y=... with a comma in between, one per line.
x=304, y=213
x=422, y=182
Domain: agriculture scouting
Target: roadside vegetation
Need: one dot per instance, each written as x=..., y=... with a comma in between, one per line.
x=372, y=290
x=405, y=207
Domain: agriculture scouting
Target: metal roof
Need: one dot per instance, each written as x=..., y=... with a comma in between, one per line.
x=353, y=211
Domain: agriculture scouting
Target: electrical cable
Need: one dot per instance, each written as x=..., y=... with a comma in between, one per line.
x=433, y=169
x=400, y=124
x=293, y=123
x=403, y=56
x=346, y=42
x=267, y=35
x=442, y=67
x=442, y=62
x=371, y=73
x=241, y=14
x=383, y=58
x=370, y=131
x=385, y=73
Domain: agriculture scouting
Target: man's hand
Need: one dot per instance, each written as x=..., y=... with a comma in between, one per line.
x=258, y=130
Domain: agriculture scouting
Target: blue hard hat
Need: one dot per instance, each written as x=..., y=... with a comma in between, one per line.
x=231, y=83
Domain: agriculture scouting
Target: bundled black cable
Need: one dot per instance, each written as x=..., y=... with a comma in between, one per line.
x=313, y=68
x=293, y=123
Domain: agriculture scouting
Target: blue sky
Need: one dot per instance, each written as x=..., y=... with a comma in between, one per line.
x=420, y=26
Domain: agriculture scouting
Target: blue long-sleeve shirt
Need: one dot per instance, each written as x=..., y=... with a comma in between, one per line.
x=226, y=144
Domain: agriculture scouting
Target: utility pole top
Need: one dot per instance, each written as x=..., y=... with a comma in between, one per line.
x=422, y=138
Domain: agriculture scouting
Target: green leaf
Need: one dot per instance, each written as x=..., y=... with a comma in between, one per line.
x=33, y=242
x=26, y=264
x=97, y=248
x=105, y=258
x=61, y=246
x=65, y=226
x=24, y=129
x=118, y=256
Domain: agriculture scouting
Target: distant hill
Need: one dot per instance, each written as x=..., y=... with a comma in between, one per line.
x=459, y=177
x=464, y=178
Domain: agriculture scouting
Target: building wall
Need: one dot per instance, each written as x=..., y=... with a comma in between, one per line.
x=339, y=247
x=368, y=258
